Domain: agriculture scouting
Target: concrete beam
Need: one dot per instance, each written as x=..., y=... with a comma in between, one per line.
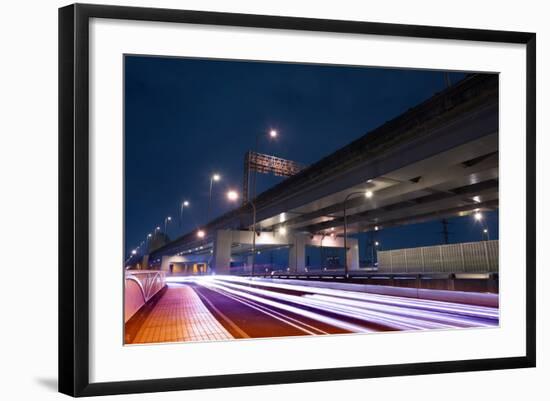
x=297, y=251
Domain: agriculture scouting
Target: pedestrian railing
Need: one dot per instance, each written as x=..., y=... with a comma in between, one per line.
x=139, y=287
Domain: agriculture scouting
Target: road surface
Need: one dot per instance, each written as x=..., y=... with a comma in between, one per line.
x=264, y=308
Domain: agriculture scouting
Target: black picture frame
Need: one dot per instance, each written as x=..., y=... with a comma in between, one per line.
x=74, y=201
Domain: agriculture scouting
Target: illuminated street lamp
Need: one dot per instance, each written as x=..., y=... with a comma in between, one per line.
x=201, y=234
x=134, y=251
x=184, y=204
x=232, y=195
x=367, y=194
x=478, y=216
x=147, y=241
x=272, y=134
x=166, y=220
x=214, y=178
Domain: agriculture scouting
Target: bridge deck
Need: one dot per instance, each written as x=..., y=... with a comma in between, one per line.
x=179, y=315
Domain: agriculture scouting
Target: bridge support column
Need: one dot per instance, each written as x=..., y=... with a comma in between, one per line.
x=145, y=262
x=168, y=260
x=352, y=254
x=297, y=253
x=221, y=257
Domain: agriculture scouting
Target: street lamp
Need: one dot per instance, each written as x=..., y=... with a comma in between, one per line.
x=272, y=135
x=185, y=203
x=478, y=216
x=166, y=220
x=148, y=242
x=214, y=178
x=201, y=234
x=232, y=195
x=367, y=194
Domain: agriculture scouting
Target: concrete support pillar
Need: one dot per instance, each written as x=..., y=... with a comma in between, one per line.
x=352, y=254
x=297, y=253
x=165, y=263
x=221, y=257
x=145, y=262
x=248, y=264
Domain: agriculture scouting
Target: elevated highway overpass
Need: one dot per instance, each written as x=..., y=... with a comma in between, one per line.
x=436, y=160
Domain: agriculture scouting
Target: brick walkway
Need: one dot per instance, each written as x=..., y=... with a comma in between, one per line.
x=180, y=315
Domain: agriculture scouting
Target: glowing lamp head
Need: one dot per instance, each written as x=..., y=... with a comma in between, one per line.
x=149, y=235
x=232, y=195
x=478, y=216
x=169, y=218
x=216, y=177
x=273, y=133
x=376, y=243
x=201, y=234
x=134, y=251
x=186, y=203
x=485, y=230
x=376, y=228
x=368, y=194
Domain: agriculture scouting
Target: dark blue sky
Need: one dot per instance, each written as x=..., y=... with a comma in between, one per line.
x=188, y=118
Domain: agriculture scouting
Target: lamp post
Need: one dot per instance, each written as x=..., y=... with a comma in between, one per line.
x=185, y=203
x=367, y=194
x=235, y=197
x=148, y=241
x=157, y=229
x=214, y=178
x=166, y=220
x=272, y=134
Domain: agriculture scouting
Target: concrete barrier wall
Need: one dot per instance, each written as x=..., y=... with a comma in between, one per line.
x=468, y=257
x=139, y=287
x=470, y=298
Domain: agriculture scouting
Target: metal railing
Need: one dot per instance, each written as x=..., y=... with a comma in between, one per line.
x=139, y=287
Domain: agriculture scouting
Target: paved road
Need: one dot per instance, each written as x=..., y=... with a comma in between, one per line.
x=263, y=308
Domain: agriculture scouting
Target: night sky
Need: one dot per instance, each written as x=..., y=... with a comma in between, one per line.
x=188, y=118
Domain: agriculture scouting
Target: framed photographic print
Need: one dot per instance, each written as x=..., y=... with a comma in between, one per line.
x=250, y=199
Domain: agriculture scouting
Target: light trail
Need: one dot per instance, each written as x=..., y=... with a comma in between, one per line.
x=289, y=308
x=426, y=304
x=352, y=311
x=278, y=315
